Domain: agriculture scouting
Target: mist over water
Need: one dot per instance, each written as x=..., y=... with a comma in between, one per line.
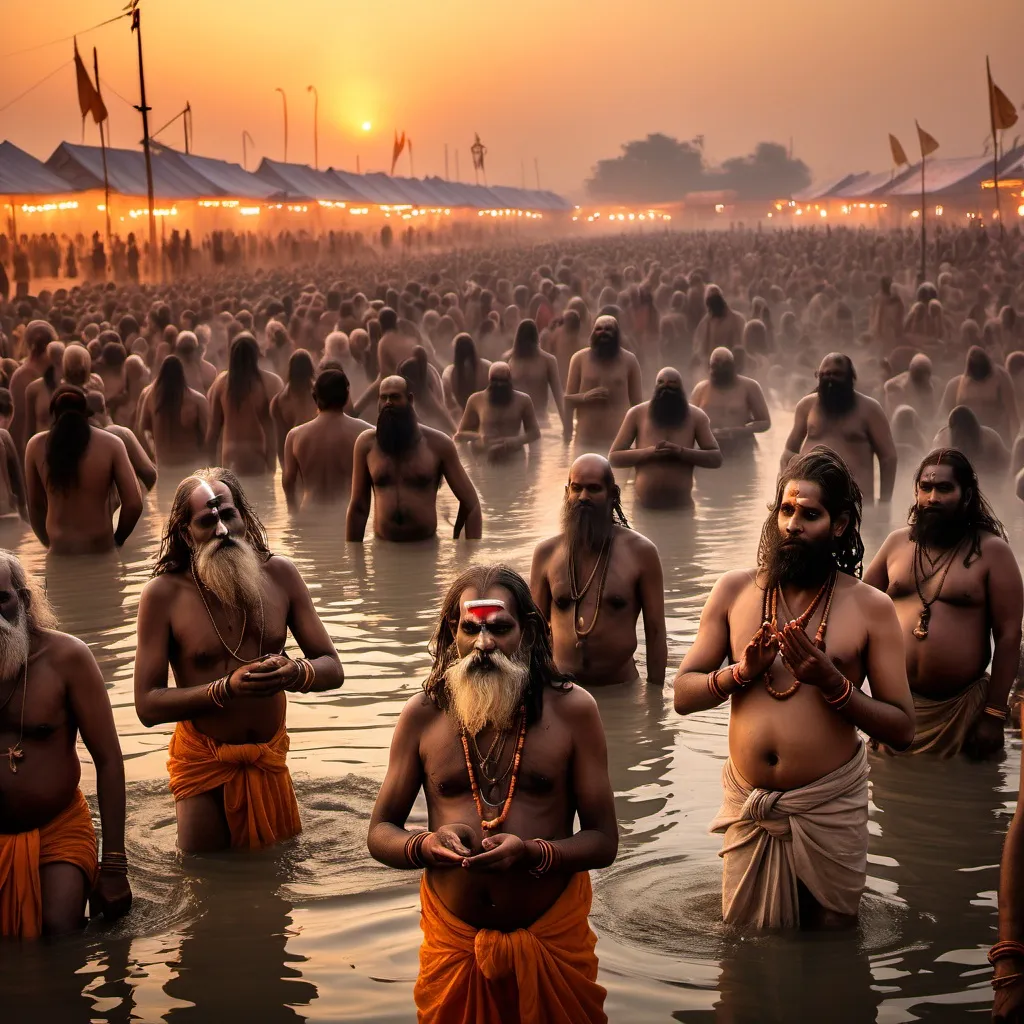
x=315, y=930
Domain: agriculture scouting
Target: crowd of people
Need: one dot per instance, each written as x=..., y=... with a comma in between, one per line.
x=371, y=383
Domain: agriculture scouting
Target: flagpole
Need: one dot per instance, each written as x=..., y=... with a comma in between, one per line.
x=446, y=178
x=995, y=145
x=924, y=263
x=144, y=110
x=103, y=151
x=412, y=168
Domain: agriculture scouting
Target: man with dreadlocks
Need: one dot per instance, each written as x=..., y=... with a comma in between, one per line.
x=217, y=612
x=508, y=753
x=798, y=635
x=959, y=597
x=594, y=580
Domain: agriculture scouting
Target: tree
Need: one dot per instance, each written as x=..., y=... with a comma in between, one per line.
x=767, y=173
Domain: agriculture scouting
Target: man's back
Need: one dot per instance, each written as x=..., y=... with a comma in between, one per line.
x=322, y=451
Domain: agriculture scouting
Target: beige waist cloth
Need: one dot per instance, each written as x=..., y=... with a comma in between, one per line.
x=942, y=725
x=817, y=834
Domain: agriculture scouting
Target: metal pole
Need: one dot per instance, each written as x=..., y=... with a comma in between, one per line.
x=924, y=263
x=446, y=178
x=284, y=100
x=995, y=146
x=457, y=178
x=187, y=122
x=144, y=110
x=103, y=150
x=536, y=170
x=316, y=116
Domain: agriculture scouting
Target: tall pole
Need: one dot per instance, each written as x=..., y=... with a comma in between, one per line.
x=284, y=100
x=924, y=263
x=154, y=262
x=187, y=122
x=457, y=177
x=995, y=146
x=103, y=150
x=316, y=118
x=446, y=178
x=522, y=173
x=536, y=170
x=358, y=171
x=245, y=152
x=412, y=166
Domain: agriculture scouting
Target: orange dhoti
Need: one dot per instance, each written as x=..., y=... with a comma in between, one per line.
x=68, y=839
x=259, y=802
x=544, y=974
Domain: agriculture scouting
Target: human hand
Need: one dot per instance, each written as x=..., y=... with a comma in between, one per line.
x=596, y=395
x=497, y=450
x=448, y=847
x=669, y=448
x=984, y=738
x=808, y=663
x=759, y=655
x=265, y=677
x=112, y=896
x=499, y=853
x=1008, y=1003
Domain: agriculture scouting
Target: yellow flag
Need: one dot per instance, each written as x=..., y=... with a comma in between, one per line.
x=1000, y=106
x=928, y=142
x=899, y=158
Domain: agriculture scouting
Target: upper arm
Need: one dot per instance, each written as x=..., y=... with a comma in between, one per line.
x=289, y=466
x=711, y=645
x=455, y=473
x=880, y=432
x=635, y=382
x=361, y=483
x=470, y=416
x=1005, y=589
x=34, y=487
x=575, y=378
x=153, y=630
x=886, y=662
x=799, y=431
x=595, y=799
x=530, y=425
x=90, y=703
x=124, y=475
x=404, y=776
x=702, y=432
x=540, y=589
x=697, y=395
x=757, y=406
x=305, y=625
x=652, y=587
x=554, y=380
x=627, y=433
x=877, y=573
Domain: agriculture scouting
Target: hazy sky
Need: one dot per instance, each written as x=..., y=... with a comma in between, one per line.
x=565, y=81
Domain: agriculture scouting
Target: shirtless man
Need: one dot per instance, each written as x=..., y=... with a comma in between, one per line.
x=982, y=445
x=466, y=376
x=735, y=405
x=402, y=463
x=294, y=404
x=720, y=327
x=69, y=472
x=887, y=317
x=564, y=342
x=317, y=465
x=199, y=371
x=40, y=391
x=526, y=870
x=499, y=420
x=42, y=809
x=36, y=338
x=915, y=387
x=604, y=383
x=595, y=579
x=986, y=389
x=851, y=424
x=174, y=418
x=672, y=437
x=12, y=480
x=217, y=613
x=241, y=430
x=125, y=408
x=536, y=372
x=794, y=748
x=959, y=597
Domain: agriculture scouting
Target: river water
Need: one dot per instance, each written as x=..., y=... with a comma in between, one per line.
x=315, y=930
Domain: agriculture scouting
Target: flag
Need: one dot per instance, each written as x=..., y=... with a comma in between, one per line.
x=928, y=142
x=89, y=99
x=899, y=158
x=1000, y=108
x=396, y=150
x=479, y=150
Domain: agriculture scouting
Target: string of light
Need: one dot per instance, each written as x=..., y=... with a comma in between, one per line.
x=63, y=39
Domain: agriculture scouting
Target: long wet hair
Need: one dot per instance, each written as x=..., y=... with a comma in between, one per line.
x=175, y=553
x=39, y=613
x=300, y=371
x=464, y=364
x=839, y=494
x=544, y=673
x=68, y=438
x=979, y=517
x=170, y=387
x=243, y=368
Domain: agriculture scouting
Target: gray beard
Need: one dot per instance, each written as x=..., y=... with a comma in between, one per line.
x=232, y=572
x=14, y=647
x=482, y=695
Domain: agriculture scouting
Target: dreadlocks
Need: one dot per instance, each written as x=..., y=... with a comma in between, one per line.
x=536, y=636
x=839, y=494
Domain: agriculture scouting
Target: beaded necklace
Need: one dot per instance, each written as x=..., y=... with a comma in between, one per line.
x=490, y=824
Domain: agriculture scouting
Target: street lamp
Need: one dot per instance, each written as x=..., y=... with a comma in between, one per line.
x=316, y=114
x=284, y=100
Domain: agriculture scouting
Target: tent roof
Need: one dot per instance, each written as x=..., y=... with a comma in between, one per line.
x=958, y=174
x=224, y=178
x=300, y=181
x=23, y=175
x=821, y=189
x=82, y=168
x=864, y=185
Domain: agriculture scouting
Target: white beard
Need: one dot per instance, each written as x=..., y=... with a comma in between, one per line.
x=232, y=572
x=480, y=697
x=14, y=646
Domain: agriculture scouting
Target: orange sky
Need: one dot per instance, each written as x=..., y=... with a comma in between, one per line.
x=565, y=81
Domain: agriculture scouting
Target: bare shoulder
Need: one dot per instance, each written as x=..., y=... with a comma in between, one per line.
x=731, y=585
x=438, y=441
x=35, y=443
x=806, y=403
x=870, y=405
x=896, y=539
x=572, y=705
x=419, y=711
x=750, y=384
x=546, y=548
x=699, y=390
x=995, y=549
x=630, y=359
x=64, y=651
x=364, y=442
x=699, y=415
x=638, y=543
x=870, y=602
x=161, y=590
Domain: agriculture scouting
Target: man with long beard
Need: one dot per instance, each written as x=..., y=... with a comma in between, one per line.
x=499, y=421
x=720, y=327
x=508, y=753
x=735, y=405
x=987, y=390
x=959, y=597
x=51, y=691
x=401, y=463
x=217, y=613
x=799, y=634
x=671, y=438
x=595, y=579
x=604, y=382
x=853, y=425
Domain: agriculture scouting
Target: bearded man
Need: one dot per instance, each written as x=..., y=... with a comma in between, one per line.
x=959, y=597
x=499, y=421
x=987, y=390
x=401, y=463
x=217, y=612
x=671, y=438
x=595, y=579
x=604, y=382
x=915, y=387
x=508, y=753
x=799, y=634
x=536, y=372
x=735, y=405
x=720, y=327
x=51, y=691
x=853, y=425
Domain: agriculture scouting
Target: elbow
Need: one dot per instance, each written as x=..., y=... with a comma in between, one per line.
x=146, y=715
x=904, y=736
x=715, y=460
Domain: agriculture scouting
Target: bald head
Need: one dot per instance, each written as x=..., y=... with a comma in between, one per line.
x=920, y=369
x=499, y=371
x=669, y=377
x=722, y=368
x=77, y=365
x=38, y=335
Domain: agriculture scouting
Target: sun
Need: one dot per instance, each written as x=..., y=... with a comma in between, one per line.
x=367, y=126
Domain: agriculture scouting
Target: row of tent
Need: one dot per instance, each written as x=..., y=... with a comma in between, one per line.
x=181, y=176
x=943, y=178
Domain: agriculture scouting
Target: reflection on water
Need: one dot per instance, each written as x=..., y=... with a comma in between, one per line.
x=316, y=930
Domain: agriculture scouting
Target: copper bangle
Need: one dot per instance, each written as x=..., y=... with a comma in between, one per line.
x=1006, y=981
x=845, y=696
x=550, y=858
x=1004, y=950
x=414, y=848
x=716, y=691
x=738, y=679
x=1001, y=713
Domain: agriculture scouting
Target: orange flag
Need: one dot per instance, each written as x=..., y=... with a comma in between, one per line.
x=928, y=142
x=396, y=150
x=89, y=100
x=899, y=158
x=1001, y=109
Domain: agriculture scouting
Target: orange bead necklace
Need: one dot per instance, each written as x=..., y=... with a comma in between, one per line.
x=490, y=824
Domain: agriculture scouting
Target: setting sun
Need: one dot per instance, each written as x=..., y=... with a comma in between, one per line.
x=367, y=126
